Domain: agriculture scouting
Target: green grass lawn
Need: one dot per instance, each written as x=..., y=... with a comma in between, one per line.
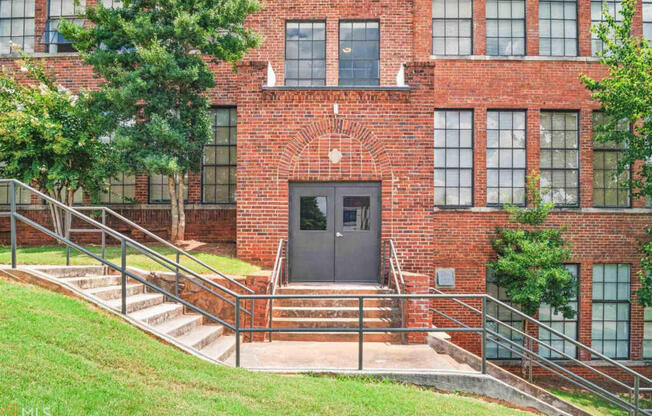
x=593, y=404
x=64, y=354
x=53, y=255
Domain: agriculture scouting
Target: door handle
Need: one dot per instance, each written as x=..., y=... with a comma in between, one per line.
x=339, y=234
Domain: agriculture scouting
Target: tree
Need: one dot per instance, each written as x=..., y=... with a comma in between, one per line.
x=49, y=137
x=626, y=96
x=530, y=259
x=152, y=57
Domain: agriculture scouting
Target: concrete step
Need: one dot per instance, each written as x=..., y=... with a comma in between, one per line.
x=201, y=336
x=330, y=323
x=337, y=303
x=115, y=292
x=335, y=289
x=389, y=337
x=158, y=314
x=137, y=302
x=331, y=312
x=220, y=349
x=180, y=325
x=92, y=282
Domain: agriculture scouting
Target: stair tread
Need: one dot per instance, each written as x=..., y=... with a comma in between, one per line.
x=331, y=308
x=286, y=319
x=175, y=323
x=218, y=348
x=199, y=333
x=343, y=286
x=144, y=314
x=91, y=276
x=135, y=298
x=109, y=288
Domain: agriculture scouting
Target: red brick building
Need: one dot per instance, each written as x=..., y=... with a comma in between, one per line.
x=418, y=120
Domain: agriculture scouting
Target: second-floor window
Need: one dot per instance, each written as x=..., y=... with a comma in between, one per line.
x=505, y=27
x=560, y=169
x=505, y=157
x=359, y=53
x=558, y=27
x=452, y=27
x=610, y=188
x=59, y=10
x=613, y=7
x=305, y=53
x=16, y=25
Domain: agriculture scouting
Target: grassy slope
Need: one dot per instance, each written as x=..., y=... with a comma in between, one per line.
x=594, y=405
x=53, y=255
x=62, y=353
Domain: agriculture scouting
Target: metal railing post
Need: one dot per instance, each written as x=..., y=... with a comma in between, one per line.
x=103, y=234
x=251, y=325
x=271, y=318
x=13, y=224
x=637, y=385
x=67, y=235
x=123, y=257
x=360, y=331
x=237, y=331
x=484, y=336
x=176, y=275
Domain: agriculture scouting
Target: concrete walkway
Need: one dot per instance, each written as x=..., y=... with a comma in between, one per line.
x=289, y=355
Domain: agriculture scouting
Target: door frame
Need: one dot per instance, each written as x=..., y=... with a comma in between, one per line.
x=326, y=184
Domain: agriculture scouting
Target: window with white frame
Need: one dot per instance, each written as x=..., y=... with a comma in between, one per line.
x=453, y=158
x=559, y=157
x=506, y=162
x=219, y=167
x=305, y=53
x=505, y=27
x=452, y=27
x=59, y=10
x=557, y=321
x=558, y=27
x=16, y=25
x=613, y=7
x=611, y=310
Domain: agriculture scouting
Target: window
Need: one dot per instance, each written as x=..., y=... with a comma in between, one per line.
x=112, y=4
x=647, y=334
x=494, y=351
x=16, y=25
x=647, y=20
x=360, y=53
x=305, y=53
x=505, y=157
x=610, y=329
x=614, y=7
x=557, y=322
x=220, y=159
x=452, y=27
x=558, y=27
x=122, y=190
x=158, y=189
x=505, y=27
x=313, y=213
x=610, y=189
x=23, y=196
x=355, y=213
x=59, y=10
x=453, y=158
x=560, y=157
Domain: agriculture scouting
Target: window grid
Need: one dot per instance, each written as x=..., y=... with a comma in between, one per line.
x=506, y=158
x=505, y=27
x=16, y=25
x=158, y=189
x=611, y=310
x=359, y=53
x=610, y=190
x=647, y=334
x=558, y=28
x=220, y=159
x=558, y=322
x=112, y=4
x=23, y=197
x=614, y=7
x=494, y=351
x=647, y=20
x=122, y=190
x=453, y=157
x=59, y=10
x=305, y=53
x=452, y=24
x=560, y=157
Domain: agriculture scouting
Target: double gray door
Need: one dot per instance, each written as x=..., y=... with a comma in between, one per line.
x=335, y=232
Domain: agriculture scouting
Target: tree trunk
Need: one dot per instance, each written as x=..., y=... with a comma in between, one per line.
x=174, y=208
x=181, y=233
x=528, y=344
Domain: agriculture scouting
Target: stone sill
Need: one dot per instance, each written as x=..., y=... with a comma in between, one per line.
x=625, y=211
x=339, y=88
x=589, y=59
x=592, y=363
x=42, y=55
x=189, y=207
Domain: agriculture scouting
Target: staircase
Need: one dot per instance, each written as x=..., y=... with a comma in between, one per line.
x=150, y=309
x=334, y=313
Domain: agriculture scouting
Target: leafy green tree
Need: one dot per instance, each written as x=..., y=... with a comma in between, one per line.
x=626, y=96
x=50, y=137
x=151, y=55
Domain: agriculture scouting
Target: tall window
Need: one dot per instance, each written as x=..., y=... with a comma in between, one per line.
x=494, y=351
x=452, y=27
x=359, y=53
x=453, y=158
x=505, y=27
x=614, y=7
x=305, y=53
x=220, y=158
x=158, y=189
x=647, y=20
x=610, y=329
x=610, y=189
x=558, y=27
x=59, y=10
x=647, y=334
x=122, y=190
x=560, y=157
x=16, y=25
x=556, y=321
x=505, y=157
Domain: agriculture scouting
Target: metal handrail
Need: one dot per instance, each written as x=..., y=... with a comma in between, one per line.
x=275, y=279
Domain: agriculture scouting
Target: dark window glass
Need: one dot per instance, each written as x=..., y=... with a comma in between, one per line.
x=122, y=190
x=647, y=20
x=313, y=213
x=59, y=10
x=452, y=27
x=453, y=158
x=158, y=189
x=505, y=157
x=16, y=25
x=359, y=53
x=611, y=293
x=557, y=322
x=219, y=167
x=505, y=27
x=560, y=157
x=610, y=189
x=355, y=215
x=305, y=53
x=494, y=351
x=558, y=27
x=614, y=7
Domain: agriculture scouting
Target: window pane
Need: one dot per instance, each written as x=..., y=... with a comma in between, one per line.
x=559, y=160
x=452, y=27
x=220, y=158
x=506, y=316
x=611, y=309
x=158, y=189
x=356, y=213
x=596, y=18
x=359, y=53
x=506, y=157
x=313, y=213
x=16, y=25
x=610, y=189
x=505, y=27
x=305, y=48
x=453, y=157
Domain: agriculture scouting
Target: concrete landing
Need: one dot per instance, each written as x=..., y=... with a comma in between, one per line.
x=285, y=355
